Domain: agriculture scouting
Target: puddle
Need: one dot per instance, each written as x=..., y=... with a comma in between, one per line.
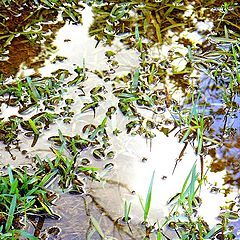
x=138, y=89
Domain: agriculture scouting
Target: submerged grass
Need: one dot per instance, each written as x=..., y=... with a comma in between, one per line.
x=96, y=225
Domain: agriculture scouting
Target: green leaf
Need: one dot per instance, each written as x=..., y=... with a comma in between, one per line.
x=97, y=227
x=33, y=126
x=127, y=209
x=33, y=88
x=11, y=212
x=45, y=180
x=88, y=168
x=148, y=199
x=159, y=235
x=137, y=36
x=184, y=187
x=14, y=186
x=192, y=191
x=27, y=235
x=11, y=178
x=135, y=79
x=212, y=231
x=9, y=40
x=186, y=135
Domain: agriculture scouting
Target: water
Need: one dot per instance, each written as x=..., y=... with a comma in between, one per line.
x=136, y=158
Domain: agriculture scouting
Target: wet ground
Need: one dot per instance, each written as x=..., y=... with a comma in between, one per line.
x=125, y=90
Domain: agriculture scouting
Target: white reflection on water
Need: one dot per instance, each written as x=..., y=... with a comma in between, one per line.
x=82, y=48
x=130, y=169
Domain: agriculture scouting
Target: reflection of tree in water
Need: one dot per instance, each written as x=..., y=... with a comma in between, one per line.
x=113, y=19
x=227, y=157
x=28, y=28
x=154, y=18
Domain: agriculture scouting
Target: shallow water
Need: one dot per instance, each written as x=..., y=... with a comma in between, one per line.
x=136, y=158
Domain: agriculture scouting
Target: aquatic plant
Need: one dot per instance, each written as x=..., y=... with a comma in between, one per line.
x=184, y=218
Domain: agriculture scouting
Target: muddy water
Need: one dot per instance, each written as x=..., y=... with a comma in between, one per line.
x=135, y=157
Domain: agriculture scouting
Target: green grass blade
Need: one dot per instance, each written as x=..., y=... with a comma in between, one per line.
x=97, y=227
x=99, y=129
x=148, y=199
x=141, y=202
x=137, y=35
x=10, y=174
x=127, y=209
x=14, y=186
x=135, y=79
x=186, y=135
x=33, y=88
x=9, y=40
x=11, y=212
x=62, y=138
x=27, y=235
x=200, y=141
x=190, y=57
x=47, y=178
x=192, y=191
x=33, y=126
x=184, y=188
x=212, y=231
x=159, y=235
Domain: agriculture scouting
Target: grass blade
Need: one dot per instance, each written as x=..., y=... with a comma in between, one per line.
x=212, y=231
x=135, y=79
x=148, y=199
x=27, y=235
x=33, y=126
x=14, y=186
x=11, y=212
x=184, y=188
x=192, y=191
x=97, y=227
x=33, y=88
x=11, y=178
x=127, y=209
x=186, y=135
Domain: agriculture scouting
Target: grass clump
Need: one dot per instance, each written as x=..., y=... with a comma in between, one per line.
x=23, y=195
x=184, y=218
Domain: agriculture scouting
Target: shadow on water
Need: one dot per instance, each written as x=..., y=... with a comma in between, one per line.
x=105, y=94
